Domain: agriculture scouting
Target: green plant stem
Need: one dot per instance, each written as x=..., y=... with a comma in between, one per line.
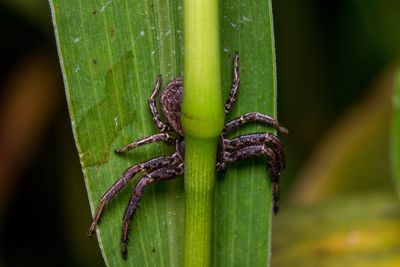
x=199, y=191
x=202, y=120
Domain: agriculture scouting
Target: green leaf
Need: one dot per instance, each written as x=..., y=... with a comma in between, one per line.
x=111, y=52
x=396, y=131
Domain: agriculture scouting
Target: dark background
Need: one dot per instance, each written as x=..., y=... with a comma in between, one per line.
x=329, y=54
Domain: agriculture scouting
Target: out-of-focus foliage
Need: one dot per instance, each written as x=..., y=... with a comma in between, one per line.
x=359, y=139
x=328, y=53
x=339, y=217
x=356, y=230
x=396, y=132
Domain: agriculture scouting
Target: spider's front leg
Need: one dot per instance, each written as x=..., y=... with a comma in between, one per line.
x=253, y=116
x=273, y=163
x=153, y=106
x=146, y=166
x=147, y=140
x=161, y=174
x=234, y=86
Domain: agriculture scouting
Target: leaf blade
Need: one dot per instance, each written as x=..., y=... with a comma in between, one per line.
x=243, y=197
x=108, y=84
x=111, y=52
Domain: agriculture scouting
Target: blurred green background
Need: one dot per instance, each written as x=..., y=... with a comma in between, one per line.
x=335, y=61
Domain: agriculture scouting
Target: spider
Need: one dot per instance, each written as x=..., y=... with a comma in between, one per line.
x=169, y=167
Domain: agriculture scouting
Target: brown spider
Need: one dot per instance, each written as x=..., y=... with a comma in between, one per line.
x=169, y=167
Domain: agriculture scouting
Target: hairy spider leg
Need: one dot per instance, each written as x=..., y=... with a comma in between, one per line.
x=161, y=174
x=146, y=166
x=234, y=86
x=258, y=139
x=253, y=116
x=153, y=106
x=147, y=140
x=259, y=150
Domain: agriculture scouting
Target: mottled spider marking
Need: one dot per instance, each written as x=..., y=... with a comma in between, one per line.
x=171, y=102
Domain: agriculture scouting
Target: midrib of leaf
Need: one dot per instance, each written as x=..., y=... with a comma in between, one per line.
x=93, y=96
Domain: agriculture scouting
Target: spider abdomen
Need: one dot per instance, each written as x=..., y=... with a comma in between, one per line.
x=171, y=102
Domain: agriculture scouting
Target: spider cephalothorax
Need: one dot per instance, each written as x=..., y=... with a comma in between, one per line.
x=168, y=167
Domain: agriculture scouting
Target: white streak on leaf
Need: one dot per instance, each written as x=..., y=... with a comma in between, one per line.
x=105, y=6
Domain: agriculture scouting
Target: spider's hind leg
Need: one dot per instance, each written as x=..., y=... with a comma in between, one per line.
x=273, y=165
x=257, y=139
x=149, y=165
x=161, y=174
